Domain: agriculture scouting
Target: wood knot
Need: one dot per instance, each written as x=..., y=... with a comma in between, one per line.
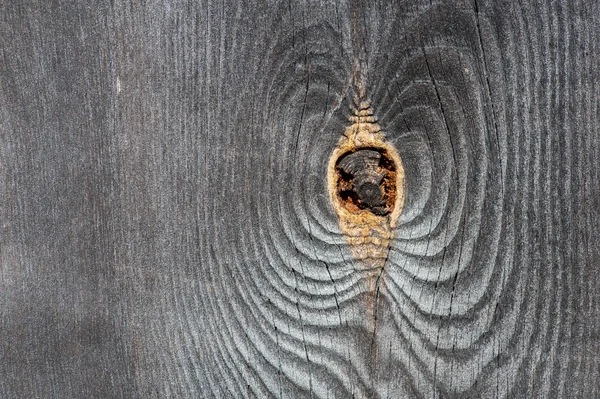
x=367, y=181
x=366, y=185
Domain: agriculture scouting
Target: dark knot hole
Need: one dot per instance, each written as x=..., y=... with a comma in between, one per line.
x=367, y=181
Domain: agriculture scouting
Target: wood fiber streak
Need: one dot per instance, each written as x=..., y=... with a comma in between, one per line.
x=166, y=228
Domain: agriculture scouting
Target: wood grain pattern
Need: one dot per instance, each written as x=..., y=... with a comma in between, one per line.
x=166, y=226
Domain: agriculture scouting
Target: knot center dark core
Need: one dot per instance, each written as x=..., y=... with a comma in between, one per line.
x=367, y=181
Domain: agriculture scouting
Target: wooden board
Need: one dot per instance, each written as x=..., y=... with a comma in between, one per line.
x=166, y=226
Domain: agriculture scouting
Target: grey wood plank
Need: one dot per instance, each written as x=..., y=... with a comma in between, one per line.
x=63, y=324
x=166, y=229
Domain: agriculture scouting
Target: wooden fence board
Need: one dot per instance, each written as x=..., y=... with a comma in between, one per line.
x=166, y=226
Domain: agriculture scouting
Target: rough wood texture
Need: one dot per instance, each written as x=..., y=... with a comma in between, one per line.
x=166, y=229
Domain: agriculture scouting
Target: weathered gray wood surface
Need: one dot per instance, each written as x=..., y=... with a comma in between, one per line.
x=165, y=224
